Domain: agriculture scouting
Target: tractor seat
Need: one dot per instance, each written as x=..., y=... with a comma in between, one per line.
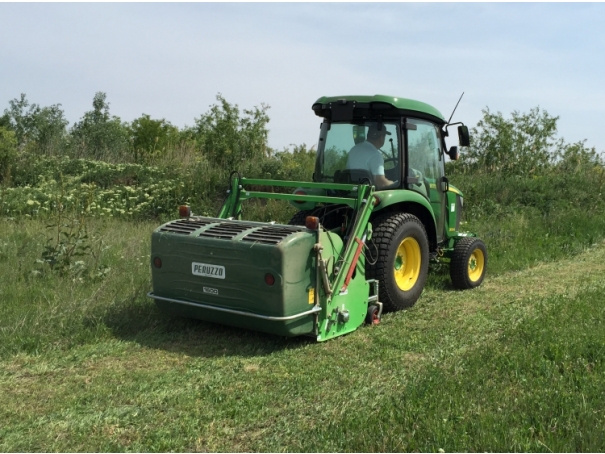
x=353, y=176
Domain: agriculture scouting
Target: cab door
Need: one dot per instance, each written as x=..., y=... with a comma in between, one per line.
x=426, y=167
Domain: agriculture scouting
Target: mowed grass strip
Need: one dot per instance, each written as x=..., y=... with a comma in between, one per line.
x=516, y=364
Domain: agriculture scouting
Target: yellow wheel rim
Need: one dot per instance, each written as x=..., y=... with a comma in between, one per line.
x=476, y=264
x=407, y=264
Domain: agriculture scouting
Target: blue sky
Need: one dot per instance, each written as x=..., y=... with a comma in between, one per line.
x=170, y=60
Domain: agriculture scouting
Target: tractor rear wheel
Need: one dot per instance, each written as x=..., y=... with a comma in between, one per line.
x=403, y=259
x=299, y=218
x=468, y=264
x=330, y=216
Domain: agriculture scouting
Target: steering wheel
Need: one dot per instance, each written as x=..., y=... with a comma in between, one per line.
x=393, y=160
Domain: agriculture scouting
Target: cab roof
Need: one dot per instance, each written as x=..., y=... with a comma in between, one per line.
x=342, y=108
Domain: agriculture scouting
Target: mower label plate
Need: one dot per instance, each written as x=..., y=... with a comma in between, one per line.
x=206, y=270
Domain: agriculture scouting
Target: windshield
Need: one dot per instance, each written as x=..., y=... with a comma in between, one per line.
x=358, y=152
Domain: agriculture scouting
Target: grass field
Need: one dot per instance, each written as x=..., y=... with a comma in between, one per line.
x=92, y=365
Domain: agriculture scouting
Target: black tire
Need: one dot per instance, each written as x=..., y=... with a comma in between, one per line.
x=399, y=288
x=372, y=317
x=299, y=218
x=469, y=263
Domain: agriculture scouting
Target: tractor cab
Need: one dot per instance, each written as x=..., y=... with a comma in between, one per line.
x=390, y=143
x=360, y=151
x=353, y=152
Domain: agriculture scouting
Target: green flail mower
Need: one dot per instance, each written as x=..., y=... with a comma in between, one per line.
x=361, y=242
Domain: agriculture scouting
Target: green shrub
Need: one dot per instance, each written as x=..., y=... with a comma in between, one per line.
x=39, y=130
x=151, y=137
x=8, y=153
x=98, y=135
x=522, y=145
x=297, y=164
x=95, y=187
x=230, y=139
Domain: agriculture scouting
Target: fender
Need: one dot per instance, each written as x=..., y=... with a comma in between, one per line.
x=394, y=196
x=455, y=190
x=410, y=202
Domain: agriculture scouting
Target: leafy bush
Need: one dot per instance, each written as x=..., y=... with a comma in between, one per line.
x=229, y=138
x=297, y=164
x=577, y=158
x=151, y=137
x=518, y=162
x=521, y=145
x=98, y=135
x=41, y=130
x=8, y=152
x=96, y=188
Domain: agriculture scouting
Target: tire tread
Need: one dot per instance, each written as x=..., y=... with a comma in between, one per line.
x=459, y=263
x=385, y=228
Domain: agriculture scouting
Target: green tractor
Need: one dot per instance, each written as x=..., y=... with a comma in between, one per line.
x=378, y=210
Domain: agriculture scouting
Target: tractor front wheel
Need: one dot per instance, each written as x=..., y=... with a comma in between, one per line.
x=403, y=259
x=468, y=264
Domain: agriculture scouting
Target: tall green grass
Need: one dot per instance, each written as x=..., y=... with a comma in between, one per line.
x=87, y=362
x=92, y=365
x=41, y=310
x=528, y=220
x=523, y=221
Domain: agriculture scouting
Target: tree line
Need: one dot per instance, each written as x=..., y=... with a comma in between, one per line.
x=225, y=134
x=227, y=137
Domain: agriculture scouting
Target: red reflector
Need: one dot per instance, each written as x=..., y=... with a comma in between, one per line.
x=312, y=222
x=184, y=211
x=269, y=279
x=376, y=200
x=157, y=262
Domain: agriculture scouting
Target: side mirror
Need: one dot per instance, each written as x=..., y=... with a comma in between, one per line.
x=463, y=136
x=453, y=153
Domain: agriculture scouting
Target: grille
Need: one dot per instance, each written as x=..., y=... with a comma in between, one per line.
x=271, y=234
x=226, y=230
x=185, y=226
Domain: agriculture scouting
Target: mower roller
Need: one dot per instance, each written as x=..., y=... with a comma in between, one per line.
x=360, y=244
